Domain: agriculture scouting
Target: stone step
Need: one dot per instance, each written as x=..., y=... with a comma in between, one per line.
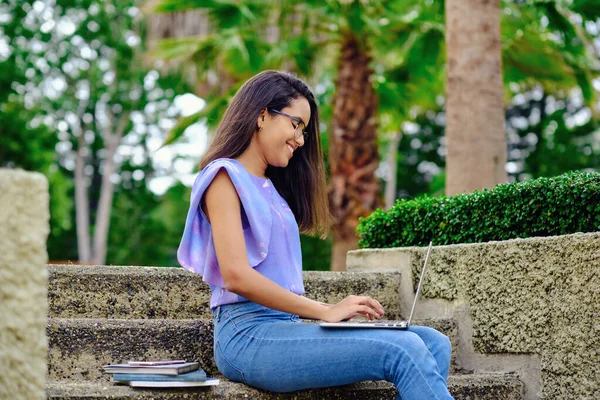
x=462, y=387
x=78, y=348
x=174, y=293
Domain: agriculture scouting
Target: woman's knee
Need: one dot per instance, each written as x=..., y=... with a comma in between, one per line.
x=433, y=338
x=444, y=345
x=413, y=345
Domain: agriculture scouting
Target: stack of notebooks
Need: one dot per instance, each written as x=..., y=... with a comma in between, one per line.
x=171, y=373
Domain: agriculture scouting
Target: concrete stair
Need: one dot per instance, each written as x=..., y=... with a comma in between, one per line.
x=78, y=348
x=103, y=315
x=470, y=386
x=174, y=293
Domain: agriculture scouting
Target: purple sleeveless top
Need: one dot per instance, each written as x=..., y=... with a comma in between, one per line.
x=270, y=232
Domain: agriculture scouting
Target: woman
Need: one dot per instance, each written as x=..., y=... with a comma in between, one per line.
x=262, y=182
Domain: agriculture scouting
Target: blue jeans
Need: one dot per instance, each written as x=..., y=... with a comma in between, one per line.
x=276, y=351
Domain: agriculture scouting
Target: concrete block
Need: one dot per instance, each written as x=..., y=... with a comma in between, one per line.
x=462, y=387
x=174, y=293
x=80, y=347
x=535, y=297
x=24, y=228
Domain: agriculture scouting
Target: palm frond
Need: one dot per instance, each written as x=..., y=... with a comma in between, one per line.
x=169, y=6
x=560, y=26
x=552, y=54
x=181, y=48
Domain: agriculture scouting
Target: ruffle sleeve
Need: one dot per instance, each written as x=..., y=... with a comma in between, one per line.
x=196, y=251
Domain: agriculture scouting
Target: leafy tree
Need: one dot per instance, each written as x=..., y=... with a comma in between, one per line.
x=310, y=38
x=25, y=142
x=546, y=136
x=32, y=149
x=545, y=46
x=86, y=73
x=550, y=136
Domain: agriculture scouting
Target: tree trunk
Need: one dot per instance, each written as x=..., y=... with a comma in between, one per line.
x=354, y=189
x=112, y=141
x=392, y=170
x=82, y=204
x=339, y=251
x=177, y=24
x=475, y=134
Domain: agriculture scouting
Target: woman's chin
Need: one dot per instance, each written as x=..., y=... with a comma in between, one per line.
x=280, y=162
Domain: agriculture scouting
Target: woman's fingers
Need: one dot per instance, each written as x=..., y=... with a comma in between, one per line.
x=367, y=311
x=353, y=306
x=377, y=306
x=371, y=302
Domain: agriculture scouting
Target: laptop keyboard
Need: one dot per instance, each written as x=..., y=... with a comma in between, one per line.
x=389, y=324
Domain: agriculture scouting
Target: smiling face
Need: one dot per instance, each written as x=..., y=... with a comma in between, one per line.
x=276, y=141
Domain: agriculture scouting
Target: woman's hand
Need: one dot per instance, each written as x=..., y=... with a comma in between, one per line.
x=353, y=306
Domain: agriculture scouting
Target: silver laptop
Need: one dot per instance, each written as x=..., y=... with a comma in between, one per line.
x=384, y=324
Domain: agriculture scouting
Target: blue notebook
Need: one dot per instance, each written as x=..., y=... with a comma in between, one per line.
x=194, y=376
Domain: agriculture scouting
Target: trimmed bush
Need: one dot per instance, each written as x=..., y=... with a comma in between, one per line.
x=565, y=204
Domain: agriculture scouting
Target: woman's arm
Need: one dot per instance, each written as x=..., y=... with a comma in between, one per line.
x=223, y=210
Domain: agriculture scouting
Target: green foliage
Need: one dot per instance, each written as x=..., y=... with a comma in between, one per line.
x=561, y=205
x=21, y=145
x=541, y=44
x=420, y=159
x=32, y=148
x=587, y=8
x=316, y=253
x=99, y=62
x=146, y=229
x=560, y=148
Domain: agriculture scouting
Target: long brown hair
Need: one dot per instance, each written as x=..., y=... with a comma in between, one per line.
x=302, y=183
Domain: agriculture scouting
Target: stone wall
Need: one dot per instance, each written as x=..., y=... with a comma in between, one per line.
x=538, y=296
x=24, y=227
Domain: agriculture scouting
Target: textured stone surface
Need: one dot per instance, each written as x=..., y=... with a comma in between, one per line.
x=449, y=328
x=126, y=292
x=150, y=292
x=537, y=295
x=463, y=387
x=331, y=287
x=484, y=386
x=24, y=227
x=80, y=347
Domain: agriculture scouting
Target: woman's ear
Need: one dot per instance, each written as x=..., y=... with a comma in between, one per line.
x=261, y=119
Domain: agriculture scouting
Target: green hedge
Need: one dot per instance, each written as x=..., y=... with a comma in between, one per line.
x=560, y=205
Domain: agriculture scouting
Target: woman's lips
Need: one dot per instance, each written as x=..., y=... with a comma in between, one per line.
x=291, y=149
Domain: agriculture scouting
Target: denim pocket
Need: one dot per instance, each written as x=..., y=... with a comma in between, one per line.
x=226, y=367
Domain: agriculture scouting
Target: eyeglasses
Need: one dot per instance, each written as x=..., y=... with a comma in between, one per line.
x=299, y=127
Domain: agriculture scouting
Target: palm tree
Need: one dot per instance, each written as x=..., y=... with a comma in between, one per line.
x=353, y=157
x=387, y=60
x=299, y=40
x=411, y=78
x=474, y=97
x=538, y=45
